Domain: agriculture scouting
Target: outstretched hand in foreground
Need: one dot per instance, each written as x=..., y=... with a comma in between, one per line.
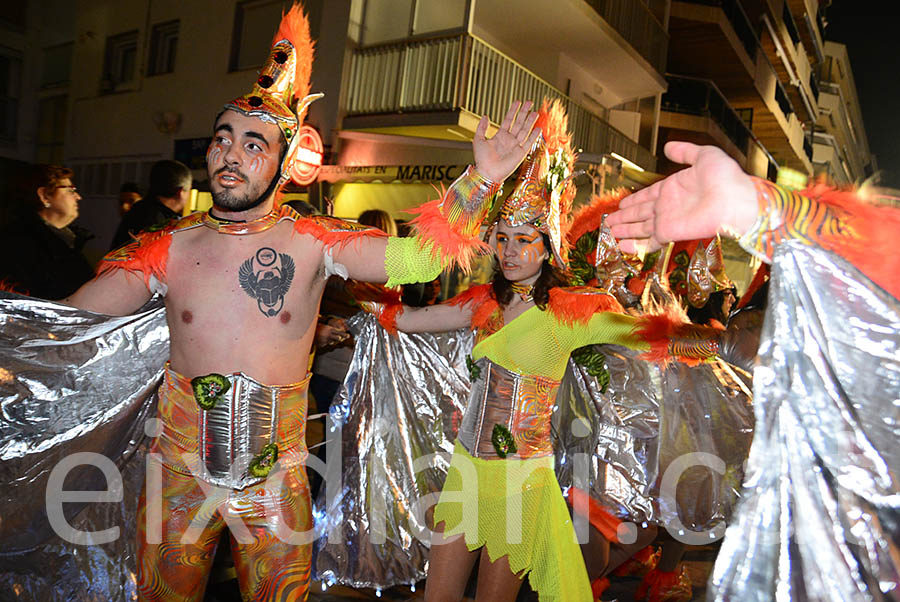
x=496, y=158
x=712, y=196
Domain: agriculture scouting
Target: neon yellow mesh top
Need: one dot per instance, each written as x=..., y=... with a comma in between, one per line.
x=537, y=343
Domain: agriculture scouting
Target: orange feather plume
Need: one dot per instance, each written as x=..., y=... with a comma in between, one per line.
x=554, y=126
x=147, y=256
x=483, y=303
x=588, y=217
x=577, y=306
x=334, y=235
x=294, y=28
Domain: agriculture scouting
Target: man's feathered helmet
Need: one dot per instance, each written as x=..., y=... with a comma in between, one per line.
x=544, y=191
x=281, y=93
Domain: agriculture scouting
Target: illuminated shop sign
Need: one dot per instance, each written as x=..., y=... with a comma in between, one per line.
x=307, y=156
x=390, y=173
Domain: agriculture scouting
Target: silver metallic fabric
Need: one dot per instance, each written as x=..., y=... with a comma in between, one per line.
x=647, y=423
x=820, y=518
x=400, y=406
x=72, y=381
x=521, y=404
x=617, y=430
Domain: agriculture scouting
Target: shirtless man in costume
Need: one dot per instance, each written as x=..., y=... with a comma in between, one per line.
x=242, y=286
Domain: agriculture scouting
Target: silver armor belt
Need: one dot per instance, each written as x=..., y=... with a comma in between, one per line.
x=521, y=404
x=237, y=439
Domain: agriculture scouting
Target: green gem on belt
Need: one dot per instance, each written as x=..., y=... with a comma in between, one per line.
x=503, y=441
x=208, y=389
x=261, y=465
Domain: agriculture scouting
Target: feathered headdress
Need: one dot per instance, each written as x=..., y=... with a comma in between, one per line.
x=543, y=192
x=281, y=92
x=706, y=273
x=595, y=258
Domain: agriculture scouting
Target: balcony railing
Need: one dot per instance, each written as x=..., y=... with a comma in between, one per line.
x=701, y=97
x=781, y=97
x=462, y=72
x=814, y=84
x=640, y=28
x=790, y=24
x=735, y=14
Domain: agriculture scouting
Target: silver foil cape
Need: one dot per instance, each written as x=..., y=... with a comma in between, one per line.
x=72, y=381
x=820, y=518
x=400, y=407
x=642, y=428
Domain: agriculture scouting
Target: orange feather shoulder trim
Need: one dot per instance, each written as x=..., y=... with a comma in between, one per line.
x=576, y=305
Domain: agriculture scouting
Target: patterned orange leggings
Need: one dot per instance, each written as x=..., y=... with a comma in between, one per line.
x=181, y=520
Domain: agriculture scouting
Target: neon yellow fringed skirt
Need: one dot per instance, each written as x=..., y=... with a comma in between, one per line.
x=515, y=508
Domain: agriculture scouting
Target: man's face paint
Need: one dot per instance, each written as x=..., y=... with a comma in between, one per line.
x=521, y=252
x=243, y=161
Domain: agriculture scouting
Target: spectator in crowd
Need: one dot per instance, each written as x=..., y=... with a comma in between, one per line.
x=378, y=218
x=40, y=252
x=170, y=189
x=129, y=194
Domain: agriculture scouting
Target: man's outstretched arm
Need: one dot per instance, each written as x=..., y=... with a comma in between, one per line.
x=114, y=293
x=714, y=196
x=446, y=230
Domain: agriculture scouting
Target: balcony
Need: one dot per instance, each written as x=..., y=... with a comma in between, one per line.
x=738, y=20
x=781, y=97
x=827, y=157
x=447, y=82
x=715, y=40
x=634, y=22
x=692, y=96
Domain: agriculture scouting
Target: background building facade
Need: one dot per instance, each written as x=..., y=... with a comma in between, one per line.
x=110, y=87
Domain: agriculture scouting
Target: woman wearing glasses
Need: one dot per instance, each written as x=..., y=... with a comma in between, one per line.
x=40, y=254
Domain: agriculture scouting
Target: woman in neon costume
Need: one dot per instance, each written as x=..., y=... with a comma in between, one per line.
x=501, y=492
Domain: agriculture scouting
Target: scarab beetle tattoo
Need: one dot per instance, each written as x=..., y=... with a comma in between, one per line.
x=267, y=277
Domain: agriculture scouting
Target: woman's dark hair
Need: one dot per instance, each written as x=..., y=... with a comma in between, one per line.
x=378, y=218
x=550, y=277
x=712, y=310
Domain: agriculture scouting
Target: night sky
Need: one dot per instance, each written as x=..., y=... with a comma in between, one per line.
x=870, y=31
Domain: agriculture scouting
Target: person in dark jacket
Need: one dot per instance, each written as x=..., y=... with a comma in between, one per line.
x=170, y=188
x=40, y=252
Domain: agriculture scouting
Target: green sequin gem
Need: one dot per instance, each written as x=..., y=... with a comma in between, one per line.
x=208, y=389
x=474, y=369
x=261, y=465
x=594, y=362
x=503, y=441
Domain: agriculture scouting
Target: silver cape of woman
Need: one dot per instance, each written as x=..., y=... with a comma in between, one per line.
x=400, y=409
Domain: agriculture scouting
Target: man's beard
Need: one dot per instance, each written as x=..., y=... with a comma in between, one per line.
x=226, y=199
